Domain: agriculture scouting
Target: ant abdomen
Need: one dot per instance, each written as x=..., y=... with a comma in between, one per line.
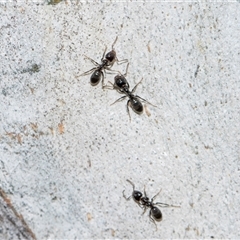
x=136, y=106
x=96, y=77
x=156, y=214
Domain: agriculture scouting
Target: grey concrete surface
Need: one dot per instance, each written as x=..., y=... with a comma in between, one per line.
x=65, y=153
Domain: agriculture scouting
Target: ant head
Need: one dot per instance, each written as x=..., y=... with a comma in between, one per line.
x=121, y=82
x=111, y=56
x=136, y=195
x=119, y=79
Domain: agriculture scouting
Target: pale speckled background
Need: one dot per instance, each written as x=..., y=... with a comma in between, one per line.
x=65, y=153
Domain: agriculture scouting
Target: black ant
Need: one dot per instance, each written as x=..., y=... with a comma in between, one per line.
x=134, y=100
x=106, y=64
x=155, y=213
x=122, y=86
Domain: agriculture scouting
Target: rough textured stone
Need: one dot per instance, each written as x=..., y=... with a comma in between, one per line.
x=12, y=224
x=65, y=153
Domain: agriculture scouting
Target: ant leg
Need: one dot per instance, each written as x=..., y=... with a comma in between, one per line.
x=104, y=53
x=103, y=77
x=145, y=194
x=111, y=71
x=131, y=184
x=150, y=216
x=125, y=74
x=114, y=42
x=165, y=205
x=94, y=62
x=109, y=87
x=134, y=89
x=156, y=195
x=145, y=208
x=86, y=73
x=121, y=61
x=128, y=103
x=127, y=198
x=144, y=100
x=119, y=100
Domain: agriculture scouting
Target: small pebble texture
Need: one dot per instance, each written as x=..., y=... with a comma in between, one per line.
x=65, y=153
